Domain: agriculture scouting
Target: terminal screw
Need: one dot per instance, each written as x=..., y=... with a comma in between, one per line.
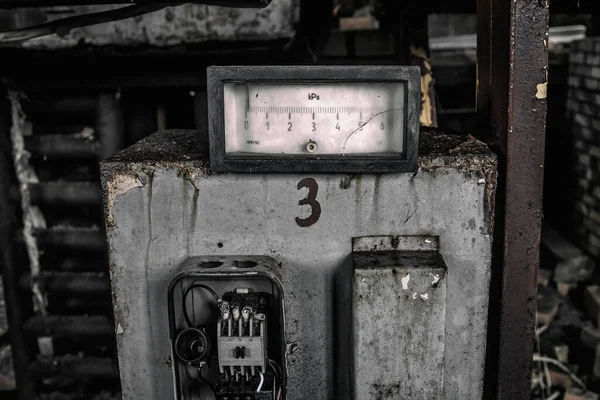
x=168, y=362
x=311, y=146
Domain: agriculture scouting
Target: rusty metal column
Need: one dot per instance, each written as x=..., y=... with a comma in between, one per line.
x=109, y=124
x=515, y=104
x=484, y=68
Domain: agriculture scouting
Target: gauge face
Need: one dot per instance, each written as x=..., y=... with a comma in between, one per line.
x=339, y=119
x=314, y=119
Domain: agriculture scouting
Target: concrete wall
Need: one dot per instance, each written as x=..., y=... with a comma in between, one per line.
x=163, y=205
x=172, y=26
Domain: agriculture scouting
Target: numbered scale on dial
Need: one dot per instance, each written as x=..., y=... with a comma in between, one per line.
x=333, y=119
x=314, y=118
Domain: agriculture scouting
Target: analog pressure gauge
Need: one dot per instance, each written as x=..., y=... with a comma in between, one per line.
x=314, y=118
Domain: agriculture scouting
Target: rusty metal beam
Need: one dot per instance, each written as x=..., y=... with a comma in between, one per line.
x=109, y=124
x=63, y=193
x=79, y=283
x=67, y=193
x=45, y=108
x=80, y=264
x=63, y=147
x=75, y=368
x=73, y=239
x=484, y=69
x=139, y=114
x=514, y=105
x=69, y=326
x=59, y=304
x=115, y=67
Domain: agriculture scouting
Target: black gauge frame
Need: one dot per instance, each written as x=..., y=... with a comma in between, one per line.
x=220, y=161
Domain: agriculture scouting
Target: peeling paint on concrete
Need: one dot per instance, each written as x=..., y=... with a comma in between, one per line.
x=542, y=90
x=405, y=281
x=119, y=185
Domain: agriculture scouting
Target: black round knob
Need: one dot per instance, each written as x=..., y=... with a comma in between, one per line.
x=192, y=345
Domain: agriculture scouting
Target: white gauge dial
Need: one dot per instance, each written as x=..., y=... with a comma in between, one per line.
x=315, y=119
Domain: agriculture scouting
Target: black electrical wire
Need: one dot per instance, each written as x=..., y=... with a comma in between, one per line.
x=184, y=298
x=207, y=383
x=278, y=373
x=276, y=369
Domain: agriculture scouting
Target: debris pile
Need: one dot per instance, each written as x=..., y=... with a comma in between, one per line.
x=566, y=362
x=7, y=374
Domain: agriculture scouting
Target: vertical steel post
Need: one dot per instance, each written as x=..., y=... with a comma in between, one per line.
x=139, y=116
x=109, y=124
x=516, y=42
x=484, y=68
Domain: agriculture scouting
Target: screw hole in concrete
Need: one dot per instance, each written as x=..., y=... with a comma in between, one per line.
x=210, y=264
x=245, y=264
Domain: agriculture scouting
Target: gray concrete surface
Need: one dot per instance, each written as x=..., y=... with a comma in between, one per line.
x=163, y=205
x=399, y=325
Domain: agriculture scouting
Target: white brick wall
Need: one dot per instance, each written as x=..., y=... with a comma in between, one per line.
x=583, y=111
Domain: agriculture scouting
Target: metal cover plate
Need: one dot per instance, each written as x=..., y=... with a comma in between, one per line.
x=399, y=325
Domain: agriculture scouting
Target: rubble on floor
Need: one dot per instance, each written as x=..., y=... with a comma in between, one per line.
x=61, y=396
x=7, y=374
x=566, y=362
x=3, y=317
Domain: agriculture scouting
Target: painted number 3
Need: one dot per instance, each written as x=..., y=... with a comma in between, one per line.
x=311, y=200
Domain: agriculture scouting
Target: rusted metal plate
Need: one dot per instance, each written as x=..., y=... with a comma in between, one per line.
x=516, y=107
x=172, y=26
x=524, y=183
x=399, y=325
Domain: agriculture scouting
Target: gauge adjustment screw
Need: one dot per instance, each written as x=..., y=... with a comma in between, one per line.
x=311, y=146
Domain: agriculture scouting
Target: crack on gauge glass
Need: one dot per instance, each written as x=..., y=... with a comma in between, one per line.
x=343, y=150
